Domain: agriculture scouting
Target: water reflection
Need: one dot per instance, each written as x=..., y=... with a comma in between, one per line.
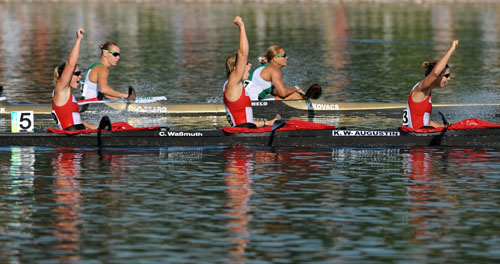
x=442, y=25
x=489, y=24
x=357, y=52
x=22, y=161
x=239, y=162
x=434, y=180
x=67, y=199
x=276, y=175
x=16, y=181
x=337, y=48
x=419, y=168
x=243, y=204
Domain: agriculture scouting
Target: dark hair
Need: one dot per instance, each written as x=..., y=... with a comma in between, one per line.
x=429, y=66
x=59, y=70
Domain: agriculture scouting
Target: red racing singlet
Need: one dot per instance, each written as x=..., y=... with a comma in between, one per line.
x=239, y=111
x=67, y=114
x=418, y=114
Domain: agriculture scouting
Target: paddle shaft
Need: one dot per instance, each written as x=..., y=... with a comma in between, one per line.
x=277, y=124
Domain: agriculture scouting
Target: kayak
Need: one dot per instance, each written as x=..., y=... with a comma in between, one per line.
x=162, y=136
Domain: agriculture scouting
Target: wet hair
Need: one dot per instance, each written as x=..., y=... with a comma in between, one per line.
x=59, y=70
x=107, y=46
x=429, y=66
x=231, y=64
x=272, y=52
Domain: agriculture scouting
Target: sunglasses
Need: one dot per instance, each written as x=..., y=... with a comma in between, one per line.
x=116, y=54
x=446, y=75
x=282, y=55
x=77, y=73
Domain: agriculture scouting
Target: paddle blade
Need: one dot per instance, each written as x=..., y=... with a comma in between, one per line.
x=105, y=123
x=131, y=94
x=314, y=92
x=1, y=90
x=278, y=124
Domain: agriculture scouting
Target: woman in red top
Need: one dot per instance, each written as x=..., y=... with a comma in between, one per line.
x=419, y=106
x=67, y=76
x=236, y=100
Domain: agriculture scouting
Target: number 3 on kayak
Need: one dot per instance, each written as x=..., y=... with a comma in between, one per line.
x=405, y=118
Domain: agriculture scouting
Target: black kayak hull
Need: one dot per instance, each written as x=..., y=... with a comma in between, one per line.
x=313, y=138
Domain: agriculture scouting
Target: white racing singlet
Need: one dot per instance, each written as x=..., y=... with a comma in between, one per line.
x=260, y=88
x=90, y=89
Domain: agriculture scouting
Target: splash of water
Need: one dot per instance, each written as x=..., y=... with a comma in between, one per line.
x=486, y=109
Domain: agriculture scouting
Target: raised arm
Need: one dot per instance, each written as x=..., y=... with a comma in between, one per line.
x=233, y=87
x=62, y=89
x=438, y=68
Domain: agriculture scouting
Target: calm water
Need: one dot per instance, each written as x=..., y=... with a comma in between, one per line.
x=237, y=205
x=252, y=205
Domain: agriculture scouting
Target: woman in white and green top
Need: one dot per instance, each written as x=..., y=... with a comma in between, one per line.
x=267, y=79
x=96, y=79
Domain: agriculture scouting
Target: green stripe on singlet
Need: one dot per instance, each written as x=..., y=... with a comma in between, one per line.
x=266, y=91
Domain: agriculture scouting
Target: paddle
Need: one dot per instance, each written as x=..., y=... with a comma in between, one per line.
x=445, y=120
x=314, y=92
x=277, y=124
x=105, y=124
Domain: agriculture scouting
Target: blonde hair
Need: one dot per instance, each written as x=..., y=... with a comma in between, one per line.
x=230, y=64
x=272, y=52
x=107, y=46
x=58, y=72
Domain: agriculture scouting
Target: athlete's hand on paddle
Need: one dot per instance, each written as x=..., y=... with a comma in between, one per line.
x=79, y=33
x=300, y=91
x=239, y=21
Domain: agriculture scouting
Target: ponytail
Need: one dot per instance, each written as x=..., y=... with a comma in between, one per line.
x=58, y=72
x=429, y=66
x=230, y=65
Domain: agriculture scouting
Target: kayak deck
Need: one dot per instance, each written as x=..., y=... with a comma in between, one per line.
x=261, y=109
